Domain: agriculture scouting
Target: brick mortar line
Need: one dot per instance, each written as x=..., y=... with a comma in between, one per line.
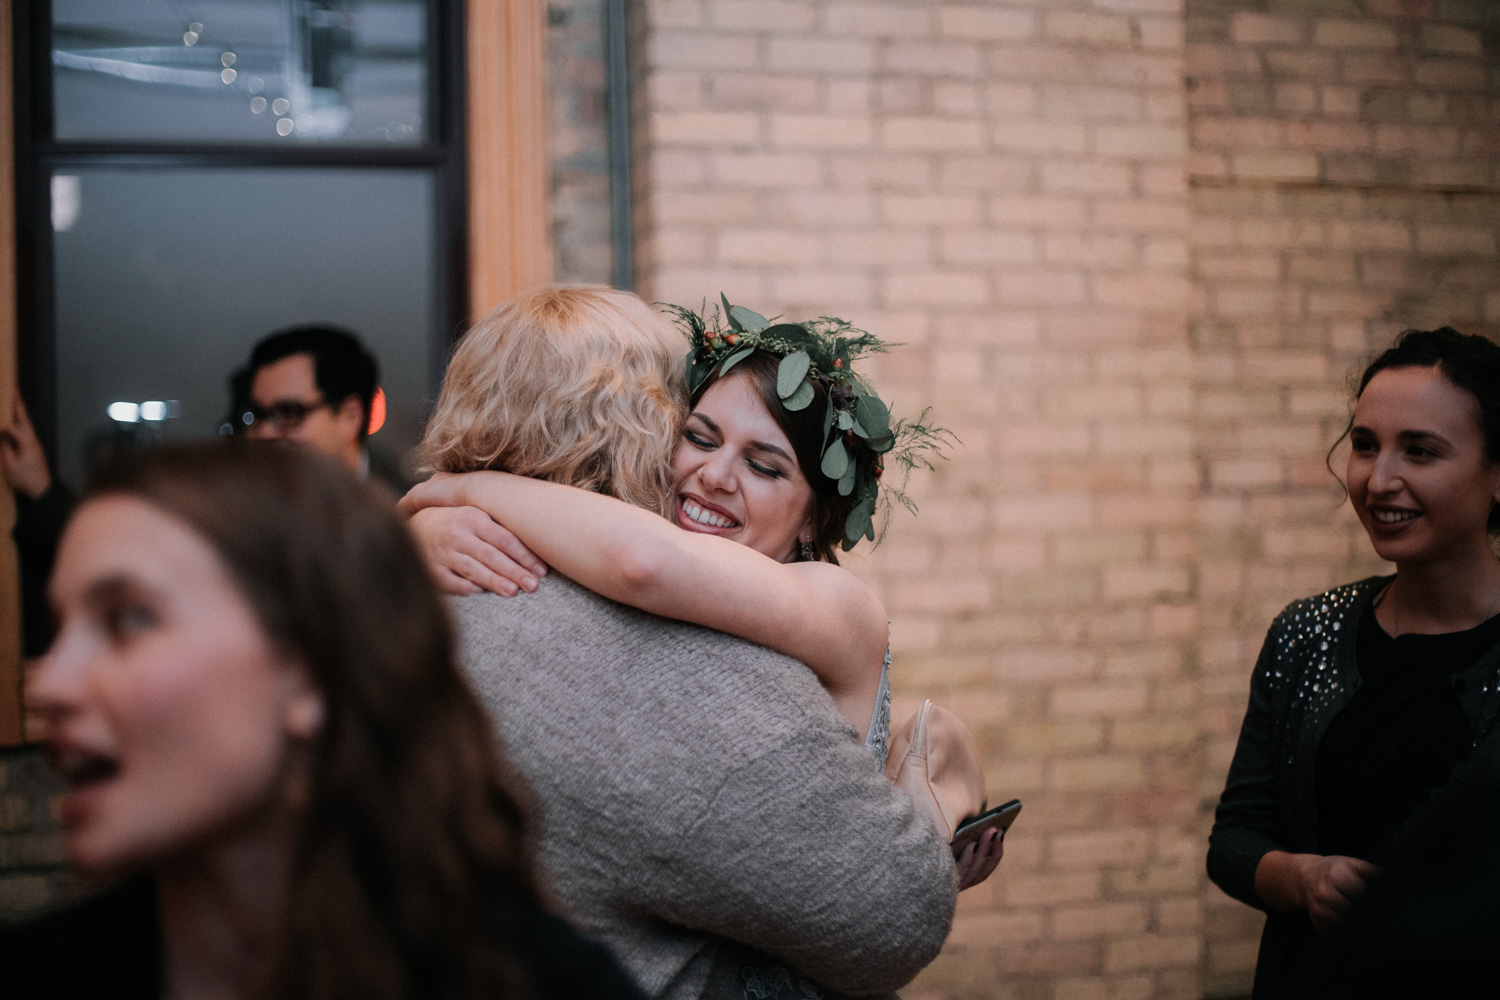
x=1211, y=181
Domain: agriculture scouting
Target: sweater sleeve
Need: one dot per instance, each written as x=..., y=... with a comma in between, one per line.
x=808, y=854
x=1246, y=827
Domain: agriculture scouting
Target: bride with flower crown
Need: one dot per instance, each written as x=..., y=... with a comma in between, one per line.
x=780, y=464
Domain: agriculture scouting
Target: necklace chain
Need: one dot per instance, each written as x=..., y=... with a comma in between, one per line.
x=1396, y=609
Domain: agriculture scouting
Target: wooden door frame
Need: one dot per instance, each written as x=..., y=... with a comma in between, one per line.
x=509, y=244
x=10, y=582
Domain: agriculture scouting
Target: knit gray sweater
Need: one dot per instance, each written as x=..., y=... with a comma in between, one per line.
x=701, y=806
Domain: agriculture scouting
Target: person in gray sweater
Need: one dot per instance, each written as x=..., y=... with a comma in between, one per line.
x=700, y=805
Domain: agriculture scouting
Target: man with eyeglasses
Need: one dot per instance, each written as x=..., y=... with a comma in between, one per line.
x=315, y=385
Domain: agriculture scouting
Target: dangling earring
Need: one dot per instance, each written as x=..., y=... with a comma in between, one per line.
x=807, y=551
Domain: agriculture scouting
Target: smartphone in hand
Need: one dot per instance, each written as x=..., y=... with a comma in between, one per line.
x=970, y=830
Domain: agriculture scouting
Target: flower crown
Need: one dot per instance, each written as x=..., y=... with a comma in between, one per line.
x=858, y=434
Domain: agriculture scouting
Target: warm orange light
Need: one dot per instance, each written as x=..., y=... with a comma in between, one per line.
x=377, y=411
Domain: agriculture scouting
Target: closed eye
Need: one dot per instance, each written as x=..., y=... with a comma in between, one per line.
x=698, y=440
x=770, y=472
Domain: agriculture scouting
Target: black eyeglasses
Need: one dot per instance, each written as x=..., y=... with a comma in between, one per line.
x=284, y=414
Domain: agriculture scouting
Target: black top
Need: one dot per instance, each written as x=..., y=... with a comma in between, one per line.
x=108, y=947
x=1307, y=674
x=1398, y=738
x=39, y=526
x=1429, y=926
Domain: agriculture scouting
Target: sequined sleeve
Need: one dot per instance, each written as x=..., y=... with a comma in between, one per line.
x=1301, y=678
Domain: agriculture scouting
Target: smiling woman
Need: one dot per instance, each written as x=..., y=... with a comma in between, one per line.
x=1419, y=474
x=749, y=478
x=736, y=473
x=1367, y=697
x=779, y=464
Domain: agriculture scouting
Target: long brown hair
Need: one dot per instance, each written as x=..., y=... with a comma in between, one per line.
x=411, y=868
x=804, y=429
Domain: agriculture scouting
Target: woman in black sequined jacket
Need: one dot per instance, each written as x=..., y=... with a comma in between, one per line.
x=1365, y=698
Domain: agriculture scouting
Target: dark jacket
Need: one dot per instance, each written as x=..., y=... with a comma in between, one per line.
x=1304, y=677
x=39, y=527
x=1429, y=925
x=109, y=947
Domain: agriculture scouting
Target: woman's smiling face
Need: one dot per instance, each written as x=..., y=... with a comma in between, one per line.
x=1418, y=477
x=735, y=473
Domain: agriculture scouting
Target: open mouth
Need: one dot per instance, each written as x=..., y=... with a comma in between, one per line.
x=698, y=514
x=1394, y=517
x=82, y=768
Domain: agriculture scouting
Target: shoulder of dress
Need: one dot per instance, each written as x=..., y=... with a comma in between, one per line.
x=1306, y=638
x=1328, y=607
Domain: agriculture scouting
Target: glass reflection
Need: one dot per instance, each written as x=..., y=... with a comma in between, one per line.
x=154, y=315
x=140, y=70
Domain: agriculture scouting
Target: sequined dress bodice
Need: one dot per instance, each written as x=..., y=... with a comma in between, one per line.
x=878, y=738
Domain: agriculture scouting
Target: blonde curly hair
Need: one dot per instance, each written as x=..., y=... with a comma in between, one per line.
x=576, y=384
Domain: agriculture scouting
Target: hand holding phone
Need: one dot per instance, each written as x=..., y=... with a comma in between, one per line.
x=998, y=818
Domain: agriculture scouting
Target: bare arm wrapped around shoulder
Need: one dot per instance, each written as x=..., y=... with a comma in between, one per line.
x=815, y=612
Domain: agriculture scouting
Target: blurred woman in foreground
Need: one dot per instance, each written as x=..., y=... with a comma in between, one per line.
x=1367, y=697
x=253, y=702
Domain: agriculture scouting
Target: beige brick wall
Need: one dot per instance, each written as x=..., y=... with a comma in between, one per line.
x=1343, y=188
x=1133, y=247
x=1002, y=187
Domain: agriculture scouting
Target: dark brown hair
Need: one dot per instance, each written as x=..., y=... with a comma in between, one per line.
x=804, y=429
x=411, y=868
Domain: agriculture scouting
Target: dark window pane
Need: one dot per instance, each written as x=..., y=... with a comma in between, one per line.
x=166, y=278
x=273, y=71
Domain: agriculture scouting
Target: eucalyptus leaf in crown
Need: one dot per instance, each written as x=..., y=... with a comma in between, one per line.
x=859, y=434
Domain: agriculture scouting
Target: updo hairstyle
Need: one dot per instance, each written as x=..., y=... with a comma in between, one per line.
x=1470, y=362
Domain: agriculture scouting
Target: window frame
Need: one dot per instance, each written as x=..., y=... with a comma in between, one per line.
x=487, y=103
x=38, y=156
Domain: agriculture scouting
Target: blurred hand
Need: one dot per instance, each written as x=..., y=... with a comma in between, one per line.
x=21, y=456
x=468, y=553
x=1330, y=885
x=979, y=859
